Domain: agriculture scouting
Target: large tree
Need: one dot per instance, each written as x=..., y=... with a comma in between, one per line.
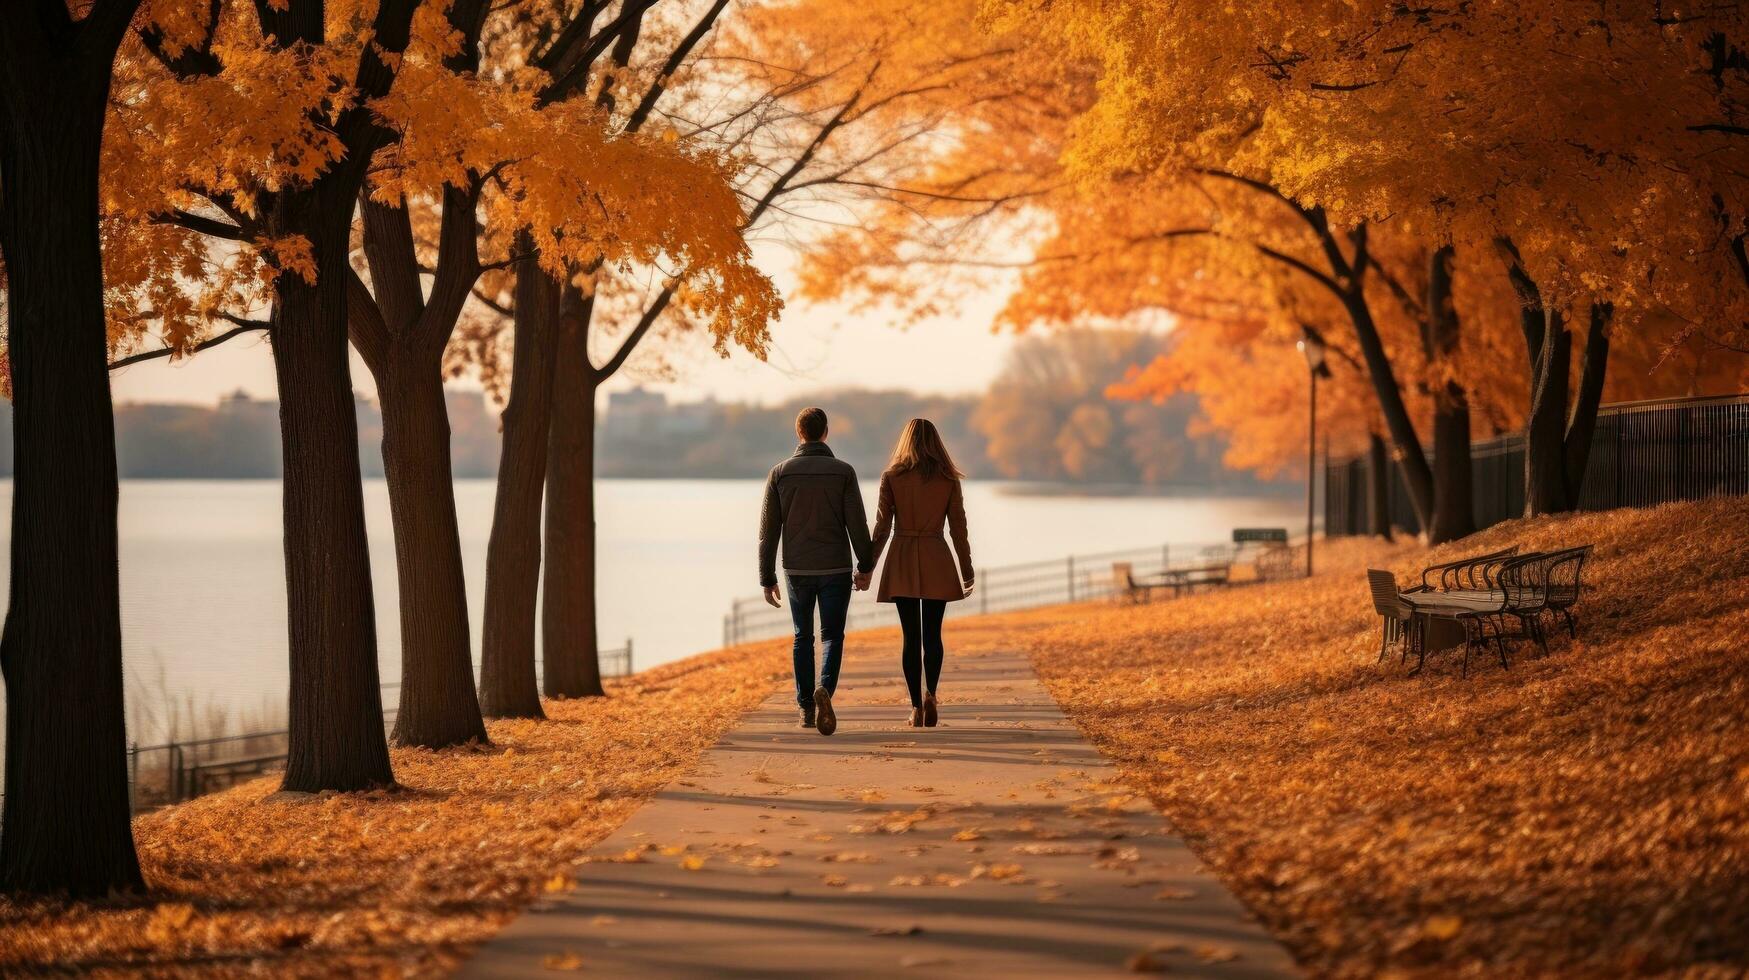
x=255, y=142
x=66, y=818
x=685, y=234
x=1603, y=163
x=533, y=154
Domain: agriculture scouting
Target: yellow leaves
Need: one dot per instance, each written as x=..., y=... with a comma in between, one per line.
x=169, y=923
x=1540, y=787
x=692, y=862
x=902, y=822
x=941, y=879
x=997, y=872
x=290, y=253
x=969, y=834
x=565, y=961
x=1442, y=927
x=363, y=884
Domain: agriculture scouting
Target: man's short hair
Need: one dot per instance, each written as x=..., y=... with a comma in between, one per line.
x=811, y=424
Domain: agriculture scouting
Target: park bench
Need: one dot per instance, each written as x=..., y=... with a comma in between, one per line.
x=1493, y=598
x=1182, y=580
x=201, y=773
x=1271, y=559
x=1126, y=589
x=1473, y=572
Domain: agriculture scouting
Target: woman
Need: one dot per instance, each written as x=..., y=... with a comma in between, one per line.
x=920, y=491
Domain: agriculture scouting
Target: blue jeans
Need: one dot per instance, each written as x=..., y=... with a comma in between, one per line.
x=832, y=594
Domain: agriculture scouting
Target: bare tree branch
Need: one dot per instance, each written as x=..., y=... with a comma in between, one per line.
x=246, y=326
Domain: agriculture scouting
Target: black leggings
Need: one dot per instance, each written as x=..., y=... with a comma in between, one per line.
x=921, y=621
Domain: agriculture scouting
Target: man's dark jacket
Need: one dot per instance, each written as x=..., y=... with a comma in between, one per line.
x=813, y=503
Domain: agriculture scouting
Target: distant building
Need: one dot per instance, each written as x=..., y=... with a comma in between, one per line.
x=644, y=414
x=633, y=414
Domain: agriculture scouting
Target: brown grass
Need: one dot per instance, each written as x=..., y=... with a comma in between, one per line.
x=1581, y=814
x=394, y=882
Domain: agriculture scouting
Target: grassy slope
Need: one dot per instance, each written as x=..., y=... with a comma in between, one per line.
x=1583, y=813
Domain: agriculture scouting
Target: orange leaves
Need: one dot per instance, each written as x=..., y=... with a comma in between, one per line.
x=1329, y=791
x=398, y=881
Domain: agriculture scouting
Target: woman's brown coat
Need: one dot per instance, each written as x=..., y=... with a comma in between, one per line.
x=920, y=566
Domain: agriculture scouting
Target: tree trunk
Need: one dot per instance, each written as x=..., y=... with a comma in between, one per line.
x=336, y=713
x=1453, y=504
x=569, y=649
x=1417, y=477
x=1378, y=495
x=438, y=707
x=66, y=814
x=507, y=679
x=1545, y=446
x=1593, y=368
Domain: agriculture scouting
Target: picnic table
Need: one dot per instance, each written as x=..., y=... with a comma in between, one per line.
x=1181, y=580
x=1130, y=587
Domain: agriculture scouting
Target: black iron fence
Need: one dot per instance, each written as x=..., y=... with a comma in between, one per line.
x=1077, y=578
x=1642, y=453
x=184, y=769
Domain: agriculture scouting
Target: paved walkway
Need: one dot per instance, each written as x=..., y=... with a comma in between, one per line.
x=997, y=844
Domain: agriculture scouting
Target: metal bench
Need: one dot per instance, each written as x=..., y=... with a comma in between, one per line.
x=198, y=775
x=1473, y=572
x=1126, y=589
x=1182, y=580
x=1494, y=598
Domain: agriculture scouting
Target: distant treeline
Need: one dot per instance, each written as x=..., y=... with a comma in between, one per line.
x=1045, y=418
x=238, y=439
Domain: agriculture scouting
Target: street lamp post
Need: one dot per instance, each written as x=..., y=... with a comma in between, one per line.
x=1311, y=344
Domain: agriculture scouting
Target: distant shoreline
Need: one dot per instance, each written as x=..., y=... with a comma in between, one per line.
x=1010, y=487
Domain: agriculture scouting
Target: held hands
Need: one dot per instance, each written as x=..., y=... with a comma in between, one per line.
x=773, y=597
x=861, y=581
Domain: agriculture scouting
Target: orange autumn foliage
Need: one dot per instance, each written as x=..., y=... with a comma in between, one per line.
x=187, y=157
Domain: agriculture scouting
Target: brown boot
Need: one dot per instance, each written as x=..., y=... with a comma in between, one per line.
x=929, y=714
x=825, y=719
x=916, y=717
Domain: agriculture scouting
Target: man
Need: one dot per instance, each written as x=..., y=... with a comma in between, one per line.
x=813, y=504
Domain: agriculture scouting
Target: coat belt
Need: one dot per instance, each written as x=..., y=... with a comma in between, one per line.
x=917, y=534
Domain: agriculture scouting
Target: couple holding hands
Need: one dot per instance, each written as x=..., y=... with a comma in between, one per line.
x=813, y=508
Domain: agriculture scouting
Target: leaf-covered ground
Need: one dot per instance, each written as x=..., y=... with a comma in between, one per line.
x=253, y=882
x=1585, y=814
x=1582, y=814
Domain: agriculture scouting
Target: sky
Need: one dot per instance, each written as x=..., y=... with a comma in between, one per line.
x=815, y=348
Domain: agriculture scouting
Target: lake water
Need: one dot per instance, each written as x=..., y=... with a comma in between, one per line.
x=203, y=593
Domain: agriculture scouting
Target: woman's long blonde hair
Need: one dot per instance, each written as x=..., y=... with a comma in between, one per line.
x=920, y=448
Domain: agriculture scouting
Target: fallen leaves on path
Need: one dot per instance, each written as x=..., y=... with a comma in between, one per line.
x=397, y=881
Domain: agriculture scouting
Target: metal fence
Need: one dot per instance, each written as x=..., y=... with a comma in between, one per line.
x=1076, y=578
x=182, y=770
x=1642, y=453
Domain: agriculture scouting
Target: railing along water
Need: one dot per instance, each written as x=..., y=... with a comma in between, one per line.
x=179, y=770
x=1005, y=588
